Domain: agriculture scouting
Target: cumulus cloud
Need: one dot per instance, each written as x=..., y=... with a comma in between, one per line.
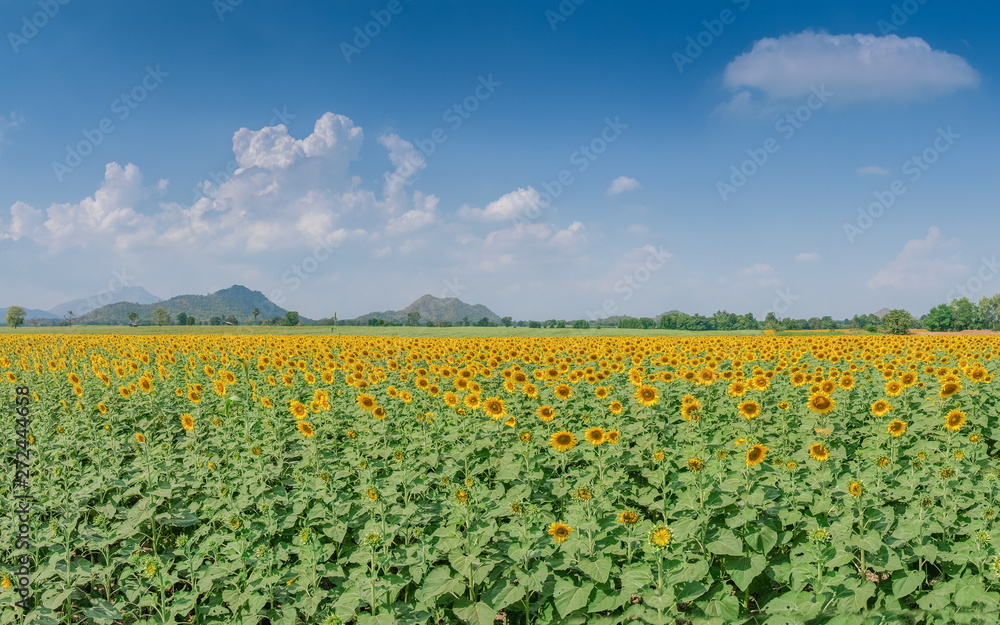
x=514, y=204
x=806, y=257
x=921, y=263
x=622, y=184
x=272, y=147
x=853, y=67
x=873, y=170
x=760, y=274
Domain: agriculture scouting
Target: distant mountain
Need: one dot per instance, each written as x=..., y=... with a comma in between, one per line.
x=236, y=301
x=881, y=312
x=84, y=305
x=436, y=310
x=30, y=313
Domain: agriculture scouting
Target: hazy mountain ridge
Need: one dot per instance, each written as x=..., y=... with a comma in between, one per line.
x=436, y=310
x=237, y=301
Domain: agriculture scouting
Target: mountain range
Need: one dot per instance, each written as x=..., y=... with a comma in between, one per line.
x=436, y=309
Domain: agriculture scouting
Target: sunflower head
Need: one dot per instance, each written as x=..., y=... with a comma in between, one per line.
x=855, y=488
x=595, y=436
x=954, y=420
x=559, y=531
x=628, y=517
x=818, y=451
x=756, y=455
x=562, y=441
x=896, y=427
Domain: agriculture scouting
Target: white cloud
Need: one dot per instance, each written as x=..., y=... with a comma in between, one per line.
x=622, y=184
x=514, y=204
x=853, y=67
x=873, y=170
x=920, y=264
x=272, y=147
x=417, y=218
x=569, y=236
x=760, y=274
x=806, y=257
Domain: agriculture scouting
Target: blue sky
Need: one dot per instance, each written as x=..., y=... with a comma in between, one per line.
x=548, y=159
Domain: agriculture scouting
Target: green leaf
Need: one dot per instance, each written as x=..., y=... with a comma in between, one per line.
x=597, y=570
x=970, y=591
x=903, y=586
x=569, y=597
x=743, y=570
x=727, y=608
x=477, y=614
x=439, y=582
x=763, y=540
x=636, y=577
x=726, y=544
x=101, y=609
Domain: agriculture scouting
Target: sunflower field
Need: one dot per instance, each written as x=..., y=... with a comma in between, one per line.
x=283, y=480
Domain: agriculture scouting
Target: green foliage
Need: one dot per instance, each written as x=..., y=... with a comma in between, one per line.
x=897, y=322
x=15, y=316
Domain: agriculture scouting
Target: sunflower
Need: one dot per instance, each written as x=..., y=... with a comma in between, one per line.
x=146, y=384
x=821, y=403
x=695, y=465
x=660, y=536
x=187, y=421
x=546, y=413
x=883, y=462
x=298, y=409
x=736, y=389
x=462, y=496
x=140, y=437
x=559, y=531
x=880, y=408
x=855, y=489
x=689, y=412
x=616, y=407
x=749, y=409
x=372, y=494
x=601, y=392
x=305, y=429
x=896, y=427
x=783, y=405
x=893, y=388
x=562, y=441
x=471, y=401
x=525, y=437
x=628, y=517
x=494, y=408
x=124, y=391
x=379, y=413
x=194, y=396
x=102, y=408
x=366, y=401
x=756, y=455
x=612, y=436
x=954, y=420
x=647, y=396
x=818, y=451
x=583, y=494
x=563, y=391
x=948, y=389
x=595, y=436
x=658, y=455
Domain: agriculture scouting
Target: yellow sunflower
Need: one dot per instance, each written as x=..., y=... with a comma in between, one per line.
x=756, y=455
x=896, y=427
x=749, y=409
x=187, y=421
x=562, y=441
x=628, y=517
x=546, y=413
x=595, y=436
x=559, y=531
x=305, y=429
x=647, y=396
x=818, y=451
x=880, y=408
x=821, y=403
x=954, y=420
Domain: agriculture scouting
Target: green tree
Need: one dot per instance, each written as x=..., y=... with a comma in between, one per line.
x=939, y=319
x=989, y=312
x=507, y=321
x=256, y=313
x=182, y=318
x=15, y=316
x=963, y=314
x=581, y=324
x=161, y=317
x=897, y=321
x=291, y=318
x=413, y=318
x=133, y=317
x=69, y=316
